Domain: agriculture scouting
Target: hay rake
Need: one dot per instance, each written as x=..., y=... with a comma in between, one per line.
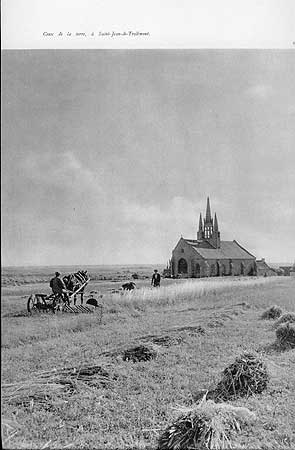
x=75, y=284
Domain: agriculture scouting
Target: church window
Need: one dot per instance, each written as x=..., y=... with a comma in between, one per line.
x=182, y=250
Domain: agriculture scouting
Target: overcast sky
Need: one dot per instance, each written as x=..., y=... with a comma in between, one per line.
x=108, y=156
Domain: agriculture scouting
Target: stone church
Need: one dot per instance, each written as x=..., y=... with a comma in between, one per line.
x=208, y=255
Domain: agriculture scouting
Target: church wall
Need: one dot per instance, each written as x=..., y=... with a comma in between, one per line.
x=247, y=265
x=212, y=267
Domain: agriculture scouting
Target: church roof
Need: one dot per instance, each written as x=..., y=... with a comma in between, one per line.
x=227, y=250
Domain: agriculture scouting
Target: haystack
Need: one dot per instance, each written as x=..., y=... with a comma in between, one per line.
x=286, y=335
x=287, y=317
x=272, y=313
x=140, y=353
x=247, y=375
x=206, y=426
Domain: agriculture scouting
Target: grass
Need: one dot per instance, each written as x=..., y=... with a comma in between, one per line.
x=134, y=410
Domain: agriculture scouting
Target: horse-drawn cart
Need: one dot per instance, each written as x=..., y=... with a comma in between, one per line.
x=75, y=284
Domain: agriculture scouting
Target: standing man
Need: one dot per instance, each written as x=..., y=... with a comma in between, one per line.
x=58, y=287
x=156, y=279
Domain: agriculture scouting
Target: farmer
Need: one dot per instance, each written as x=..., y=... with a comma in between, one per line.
x=156, y=279
x=58, y=286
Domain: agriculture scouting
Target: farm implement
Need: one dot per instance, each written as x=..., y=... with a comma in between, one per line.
x=75, y=284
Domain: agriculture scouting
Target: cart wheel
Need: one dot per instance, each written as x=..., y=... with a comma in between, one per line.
x=33, y=305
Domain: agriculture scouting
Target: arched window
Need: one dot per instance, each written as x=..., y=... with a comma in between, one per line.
x=198, y=270
x=182, y=266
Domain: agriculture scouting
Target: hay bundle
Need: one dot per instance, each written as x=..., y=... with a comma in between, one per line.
x=286, y=335
x=247, y=375
x=206, y=426
x=272, y=313
x=166, y=340
x=215, y=323
x=287, y=317
x=140, y=353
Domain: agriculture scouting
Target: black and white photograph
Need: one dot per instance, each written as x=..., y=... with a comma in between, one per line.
x=148, y=244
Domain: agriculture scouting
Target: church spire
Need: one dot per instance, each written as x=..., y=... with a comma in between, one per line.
x=200, y=223
x=208, y=212
x=200, y=232
x=215, y=223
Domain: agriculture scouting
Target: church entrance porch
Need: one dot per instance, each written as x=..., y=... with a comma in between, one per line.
x=182, y=267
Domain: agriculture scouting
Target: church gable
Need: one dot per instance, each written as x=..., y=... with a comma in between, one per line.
x=184, y=248
x=184, y=259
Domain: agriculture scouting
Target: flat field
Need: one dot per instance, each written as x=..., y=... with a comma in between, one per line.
x=210, y=323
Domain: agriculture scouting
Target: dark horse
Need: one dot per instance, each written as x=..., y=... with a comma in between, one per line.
x=128, y=286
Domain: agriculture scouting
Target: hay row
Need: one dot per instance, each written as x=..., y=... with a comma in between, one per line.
x=155, y=340
x=47, y=385
x=36, y=391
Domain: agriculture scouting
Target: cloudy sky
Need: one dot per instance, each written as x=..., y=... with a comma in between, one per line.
x=108, y=156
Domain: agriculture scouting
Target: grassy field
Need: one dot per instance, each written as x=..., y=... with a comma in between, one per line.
x=139, y=401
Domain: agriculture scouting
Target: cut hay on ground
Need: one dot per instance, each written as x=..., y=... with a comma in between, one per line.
x=92, y=375
x=166, y=340
x=207, y=426
x=272, y=313
x=36, y=391
x=140, y=353
x=286, y=335
x=190, y=329
x=287, y=317
x=246, y=376
x=47, y=385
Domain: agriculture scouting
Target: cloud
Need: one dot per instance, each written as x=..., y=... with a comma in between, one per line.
x=260, y=91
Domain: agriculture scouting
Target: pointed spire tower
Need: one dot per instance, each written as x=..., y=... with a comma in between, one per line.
x=208, y=218
x=200, y=232
x=208, y=222
x=209, y=230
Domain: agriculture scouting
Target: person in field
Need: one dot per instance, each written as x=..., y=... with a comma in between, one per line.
x=58, y=286
x=156, y=279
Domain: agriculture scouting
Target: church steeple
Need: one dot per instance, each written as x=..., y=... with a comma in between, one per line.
x=208, y=222
x=209, y=230
x=208, y=218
